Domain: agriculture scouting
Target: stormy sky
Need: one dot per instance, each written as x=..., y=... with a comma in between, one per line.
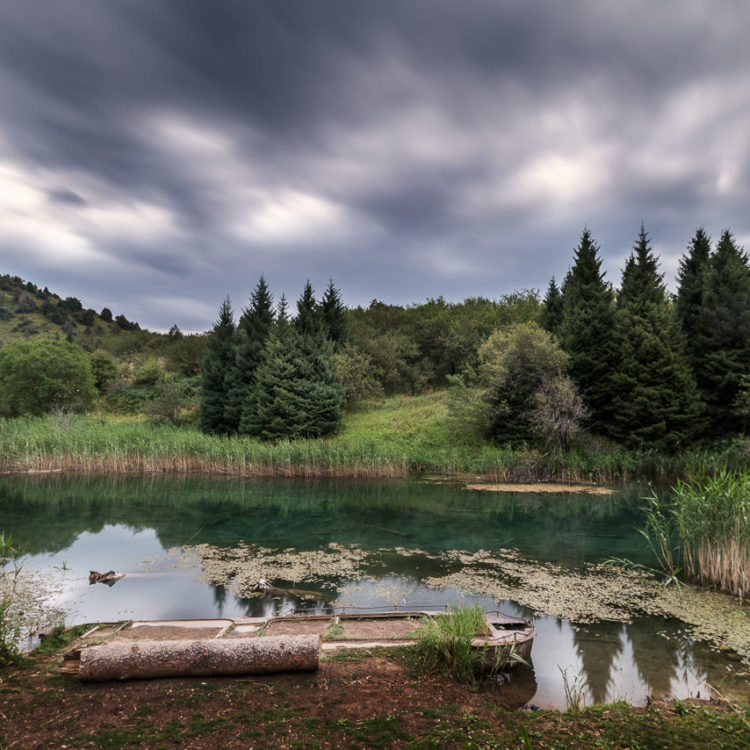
x=157, y=155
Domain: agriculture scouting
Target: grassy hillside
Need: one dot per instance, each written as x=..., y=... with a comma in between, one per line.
x=26, y=311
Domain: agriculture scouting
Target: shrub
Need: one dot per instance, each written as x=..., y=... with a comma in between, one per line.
x=39, y=375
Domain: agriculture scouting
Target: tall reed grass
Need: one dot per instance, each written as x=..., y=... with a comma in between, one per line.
x=705, y=528
x=402, y=436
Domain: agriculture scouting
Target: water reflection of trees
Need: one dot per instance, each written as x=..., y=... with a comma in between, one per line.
x=597, y=647
x=49, y=512
x=656, y=659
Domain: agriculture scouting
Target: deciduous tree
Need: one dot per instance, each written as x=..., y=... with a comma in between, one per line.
x=38, y=375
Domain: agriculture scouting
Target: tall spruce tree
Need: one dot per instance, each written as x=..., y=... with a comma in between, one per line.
x=552, y=312
x=273, y=409
x=690, y=281
x=295, y=394
x=217, y=360
x=333, y=315
x=722, y=345
x=655, y=399
x=308, y=321
x=586, y=330
x=324, y=394
x=250, y=339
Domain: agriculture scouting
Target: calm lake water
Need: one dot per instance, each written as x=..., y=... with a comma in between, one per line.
x=71, y=525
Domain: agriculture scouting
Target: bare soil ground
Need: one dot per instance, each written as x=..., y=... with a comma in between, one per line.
x=370, y=699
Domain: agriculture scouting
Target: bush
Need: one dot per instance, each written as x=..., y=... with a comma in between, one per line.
x=104, y=369
x=39, y=375
x=150, y=372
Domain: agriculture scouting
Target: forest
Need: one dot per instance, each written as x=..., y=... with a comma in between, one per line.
x=632, y=366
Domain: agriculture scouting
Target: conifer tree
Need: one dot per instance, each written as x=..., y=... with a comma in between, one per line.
x=655, y=399
x=273, y=409
x=333, y=315
x=295, y=394
x=308, y=321
x=586, y=330
x=690, y=280
x=551, y=318
x=250, y=339
x=722, y=346
x=324, y=394
x=217, y=360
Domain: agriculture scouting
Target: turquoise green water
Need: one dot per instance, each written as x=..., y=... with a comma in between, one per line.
x=47, y=514
x=71, y=525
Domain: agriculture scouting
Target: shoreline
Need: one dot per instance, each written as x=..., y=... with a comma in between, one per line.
x=472, y=482
x=370, y=699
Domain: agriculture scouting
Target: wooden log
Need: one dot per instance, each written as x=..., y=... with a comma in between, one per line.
x=128, y=660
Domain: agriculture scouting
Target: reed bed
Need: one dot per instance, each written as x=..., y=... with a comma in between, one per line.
x=402, y=436
x=711, y=517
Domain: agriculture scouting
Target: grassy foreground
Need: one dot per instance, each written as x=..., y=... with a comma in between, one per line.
x=368, y=700
x=396, y=437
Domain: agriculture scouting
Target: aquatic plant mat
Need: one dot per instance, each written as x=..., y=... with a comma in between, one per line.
x=354, y=700
x=544, y=487
x=591, y=593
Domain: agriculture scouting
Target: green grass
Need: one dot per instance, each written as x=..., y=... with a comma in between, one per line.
x=444, y=644
x=399, y=436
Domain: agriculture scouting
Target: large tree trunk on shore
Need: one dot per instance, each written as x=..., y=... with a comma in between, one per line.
x=126, y=660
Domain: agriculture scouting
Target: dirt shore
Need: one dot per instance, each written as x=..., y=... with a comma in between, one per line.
x=369, y=699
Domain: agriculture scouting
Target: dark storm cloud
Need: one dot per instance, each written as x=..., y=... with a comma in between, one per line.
x=155, y=156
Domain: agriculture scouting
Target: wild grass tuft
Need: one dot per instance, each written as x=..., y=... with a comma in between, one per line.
x=444, y=644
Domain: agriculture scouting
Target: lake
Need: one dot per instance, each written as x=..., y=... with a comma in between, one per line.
x=185, y=544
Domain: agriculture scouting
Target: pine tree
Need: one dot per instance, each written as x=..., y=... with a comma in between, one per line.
x=655, y=399
x=586, y=330
x=551, y=318
x=218, y=359
x=722, y=346
x=308, y=321
x=295, y=394
x=333, y=314
x=690, y=280
x=274, y=409
x=250, y=339
x=324, y=394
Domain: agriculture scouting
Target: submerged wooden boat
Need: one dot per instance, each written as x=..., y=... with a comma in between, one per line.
x=504, y=642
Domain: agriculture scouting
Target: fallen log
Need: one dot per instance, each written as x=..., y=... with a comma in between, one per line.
x=128, y=660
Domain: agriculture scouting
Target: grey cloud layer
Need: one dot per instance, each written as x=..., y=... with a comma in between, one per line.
x=155, y=156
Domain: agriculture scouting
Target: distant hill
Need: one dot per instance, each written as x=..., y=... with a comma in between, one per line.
x=26, y=311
